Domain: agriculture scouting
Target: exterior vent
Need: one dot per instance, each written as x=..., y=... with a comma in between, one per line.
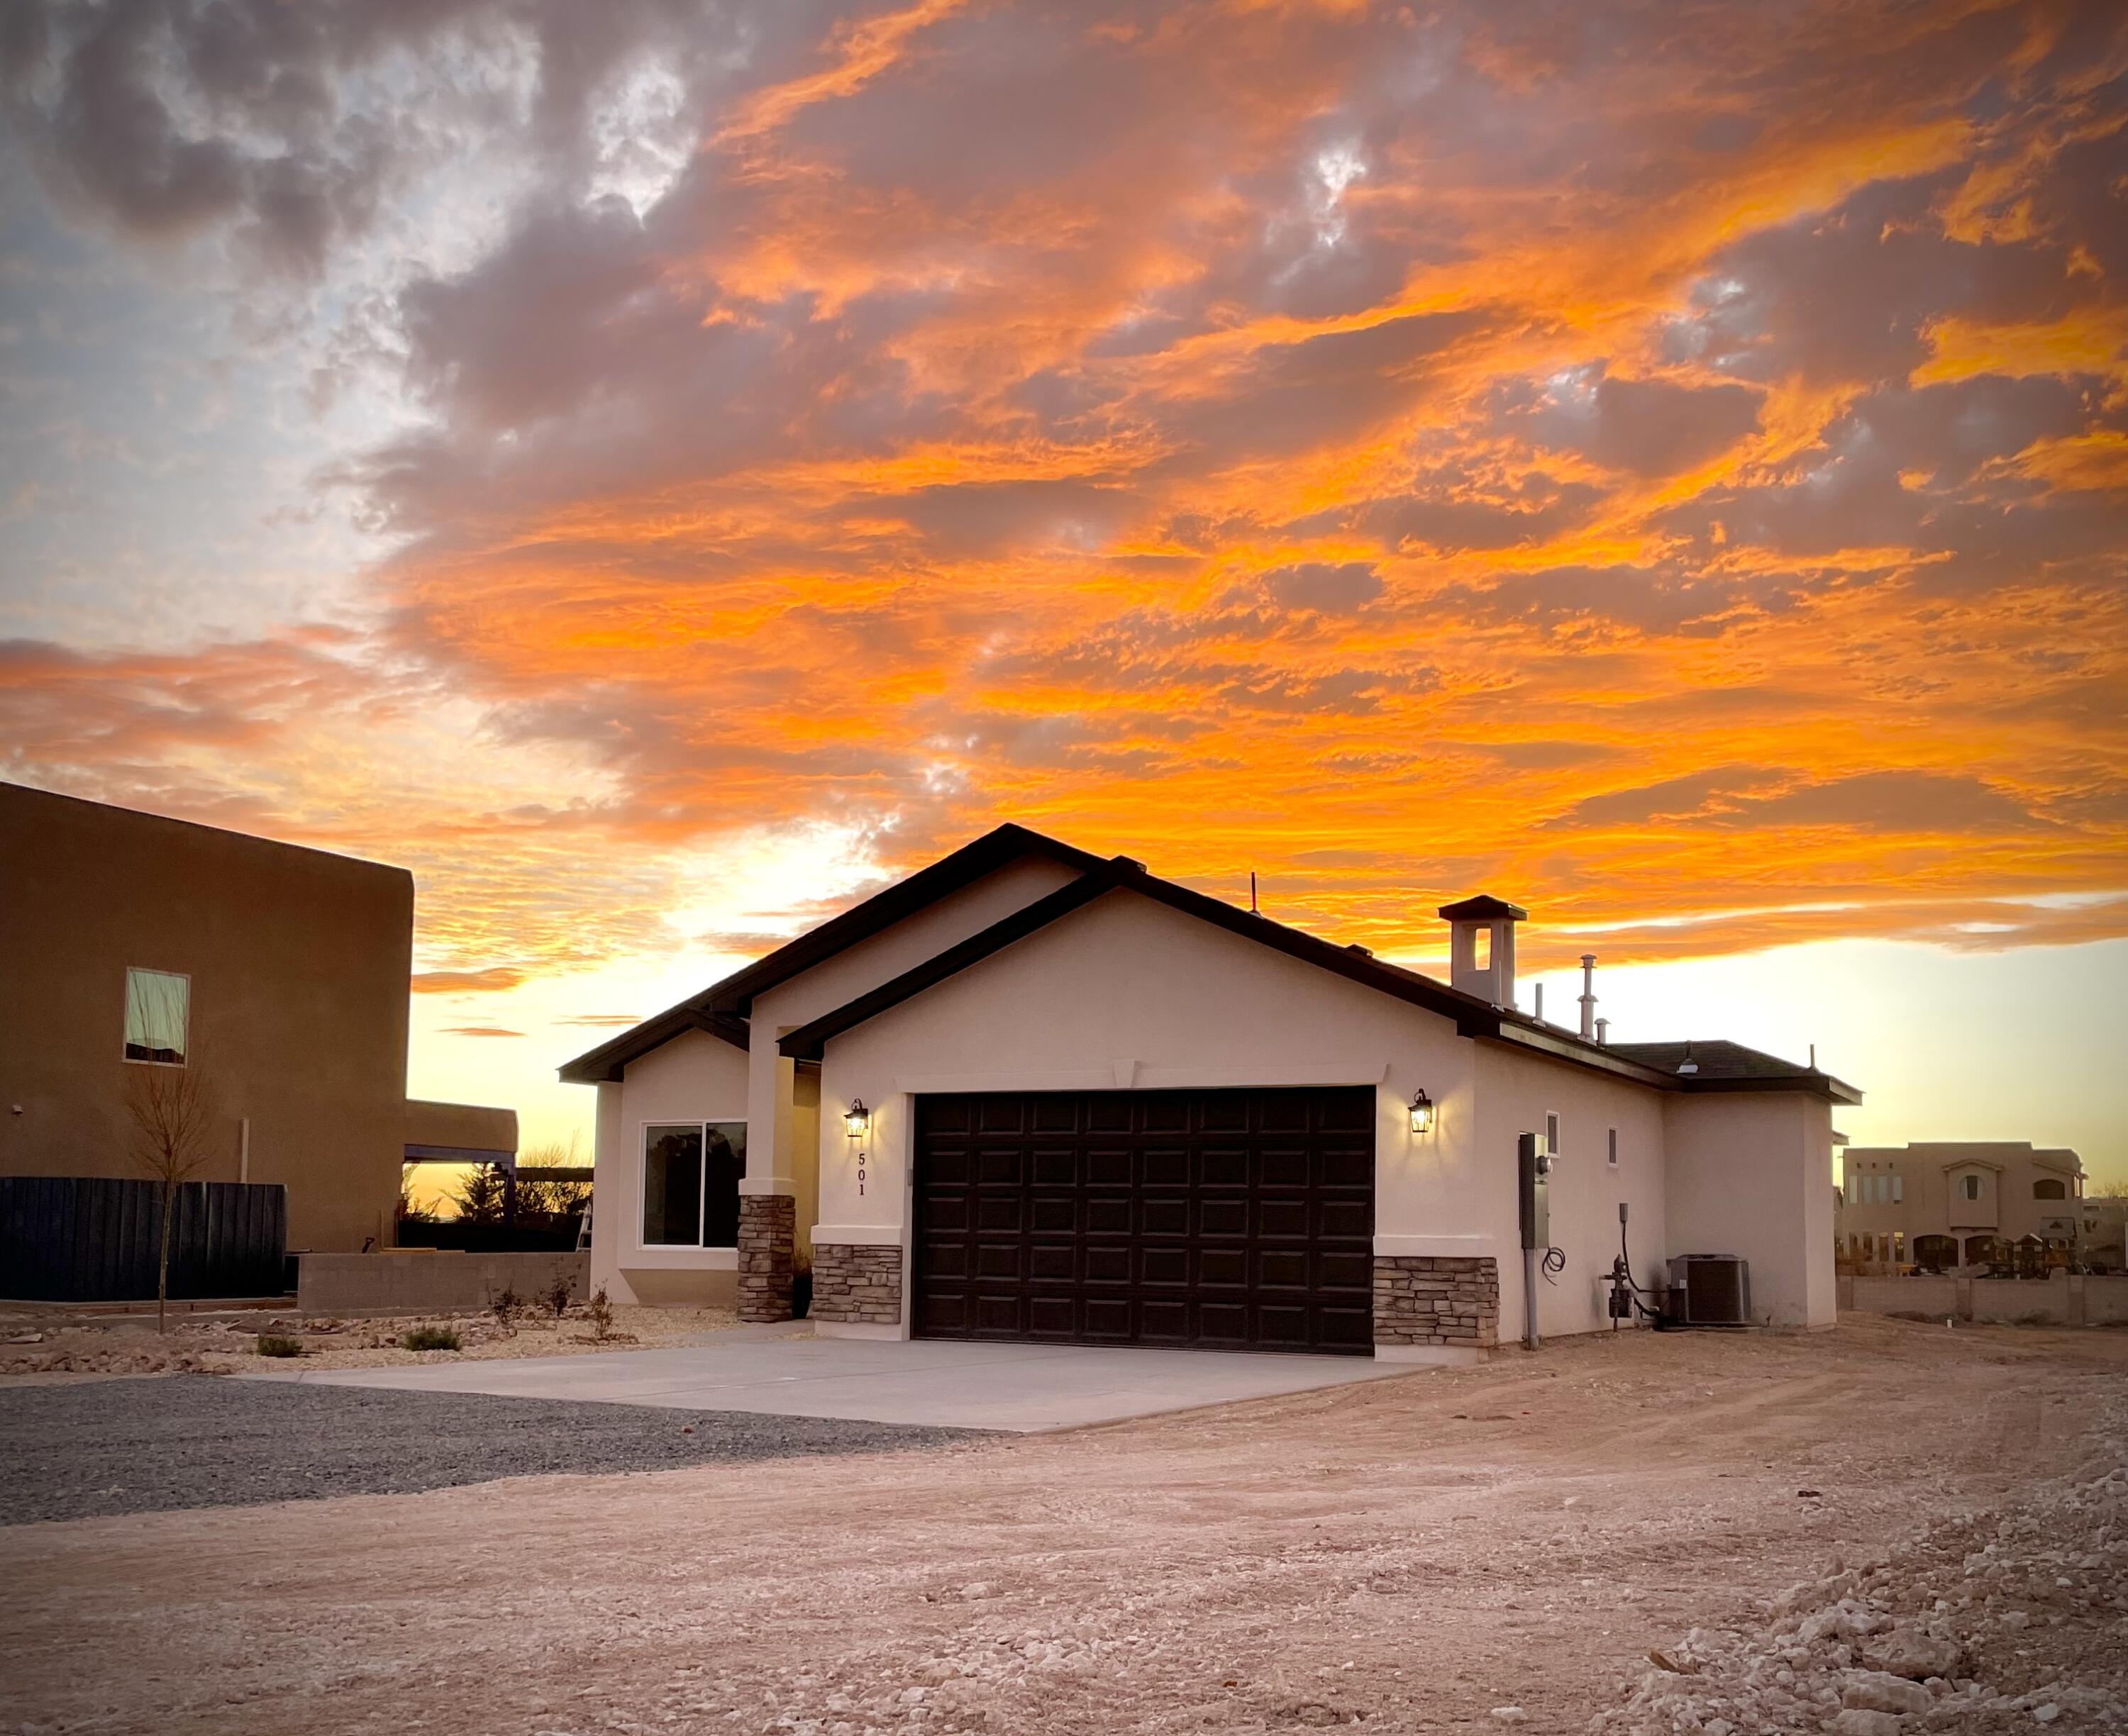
x=1710, y=1290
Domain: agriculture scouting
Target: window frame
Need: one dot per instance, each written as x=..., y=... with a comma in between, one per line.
x=126, y=1008
x=702, y=1124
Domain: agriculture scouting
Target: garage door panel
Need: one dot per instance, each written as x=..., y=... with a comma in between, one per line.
x=1345, y=1220
x=1283, y=1220
x=1233, y=1220
x=995, y=1114
x=1052, y=1262
x=1164, y=1216
x=1109, y=1215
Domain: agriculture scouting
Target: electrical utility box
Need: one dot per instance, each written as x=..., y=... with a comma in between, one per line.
x=1533, y=1168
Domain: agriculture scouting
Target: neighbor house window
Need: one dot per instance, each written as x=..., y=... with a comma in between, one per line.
x=2050, y=1190
x=157, y=1005
x=690, y=1172
x=1973, y=1187
x=1898, y=1190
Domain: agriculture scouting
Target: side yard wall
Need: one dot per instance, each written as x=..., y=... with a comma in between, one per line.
x=2066, y=1299
x=425, y=1281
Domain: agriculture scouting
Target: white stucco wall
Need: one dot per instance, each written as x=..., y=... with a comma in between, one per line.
x=1128, y=993
x=693, y=1078
x=1751, y=1173
x=1515, y=1090
x=772, y=1164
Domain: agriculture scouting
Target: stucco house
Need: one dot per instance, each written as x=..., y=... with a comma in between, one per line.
x=1953, y=1205
x=1030, y=1092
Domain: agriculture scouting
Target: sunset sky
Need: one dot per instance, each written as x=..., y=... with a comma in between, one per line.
x=659, y=469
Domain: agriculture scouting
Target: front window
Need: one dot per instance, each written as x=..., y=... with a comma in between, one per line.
x=158, y=1003
x=691, y=1174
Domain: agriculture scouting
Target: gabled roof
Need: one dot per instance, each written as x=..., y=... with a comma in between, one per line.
x=722, y=1007
x=1473, y=1017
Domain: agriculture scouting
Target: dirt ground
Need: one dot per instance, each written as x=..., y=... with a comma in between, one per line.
x=1491, y=1548
x=35, y=1344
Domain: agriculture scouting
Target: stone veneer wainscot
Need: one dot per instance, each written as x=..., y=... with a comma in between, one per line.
x=1426, y=1299
x=853, y=1282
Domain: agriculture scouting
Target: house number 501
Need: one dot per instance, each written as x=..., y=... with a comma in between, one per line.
x=860, y=1176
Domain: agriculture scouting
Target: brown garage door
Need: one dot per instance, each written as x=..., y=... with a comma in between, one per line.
x=1220, y=1220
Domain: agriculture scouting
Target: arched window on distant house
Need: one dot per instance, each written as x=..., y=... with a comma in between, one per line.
x=2049, y=1189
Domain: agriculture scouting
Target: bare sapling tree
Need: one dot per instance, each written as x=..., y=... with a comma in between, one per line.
x=172, y=1110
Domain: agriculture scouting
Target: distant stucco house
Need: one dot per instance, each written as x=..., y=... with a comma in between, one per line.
x=1030, y=1092
x=1950, y=1205
x=130, y=941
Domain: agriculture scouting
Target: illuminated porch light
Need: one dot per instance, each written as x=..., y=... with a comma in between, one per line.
x=1422, y=1113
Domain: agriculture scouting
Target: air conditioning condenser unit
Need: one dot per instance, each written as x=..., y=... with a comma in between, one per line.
x=1710, y=1290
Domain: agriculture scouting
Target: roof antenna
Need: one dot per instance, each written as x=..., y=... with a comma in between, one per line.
x=1252, y=893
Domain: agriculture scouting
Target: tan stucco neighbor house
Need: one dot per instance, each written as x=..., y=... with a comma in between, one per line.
x=1955, y=1205
x=1032, y=1093
x=280, y=974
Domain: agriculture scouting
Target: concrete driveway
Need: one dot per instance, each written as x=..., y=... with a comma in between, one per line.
x=1020, y=1388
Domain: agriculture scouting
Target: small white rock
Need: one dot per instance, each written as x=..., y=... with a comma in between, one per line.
x=1511, y=1714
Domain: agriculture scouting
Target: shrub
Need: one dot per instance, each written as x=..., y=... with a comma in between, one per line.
x=555, y=1295
x=601, y=1312
x=274, y=1344
x=430, y=1338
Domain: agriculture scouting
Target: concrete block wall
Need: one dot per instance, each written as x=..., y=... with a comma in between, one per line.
x=422, y=1281
x=1426, y=1299
x=857, y=1283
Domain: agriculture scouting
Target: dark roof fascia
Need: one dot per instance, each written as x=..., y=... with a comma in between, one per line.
x=809, y=1042
x=1515, y=1035
x=1812, y=1084
x=732, y=997
x=604, y=1064
x=905, y=898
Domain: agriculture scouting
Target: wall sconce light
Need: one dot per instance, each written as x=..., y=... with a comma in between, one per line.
x=1422, y=1113
x=857, y=1119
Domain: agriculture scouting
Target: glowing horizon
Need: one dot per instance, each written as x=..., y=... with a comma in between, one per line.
x=659, y=483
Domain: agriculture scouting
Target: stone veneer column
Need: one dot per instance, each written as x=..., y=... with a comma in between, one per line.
x=856, y=1283
x=1424, y=1299
x=767, y=1239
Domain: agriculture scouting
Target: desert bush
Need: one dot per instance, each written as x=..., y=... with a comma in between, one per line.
x=275, y=1344
x=601, y=1313
x=430, y=1338
x=555, y=1295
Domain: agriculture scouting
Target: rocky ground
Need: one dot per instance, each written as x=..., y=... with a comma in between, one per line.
x=49, y=1342
x=2009, y=1619
x=1531, y=1544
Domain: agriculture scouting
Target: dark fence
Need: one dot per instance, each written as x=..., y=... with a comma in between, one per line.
x=489, y=1238
x=80, y=1238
